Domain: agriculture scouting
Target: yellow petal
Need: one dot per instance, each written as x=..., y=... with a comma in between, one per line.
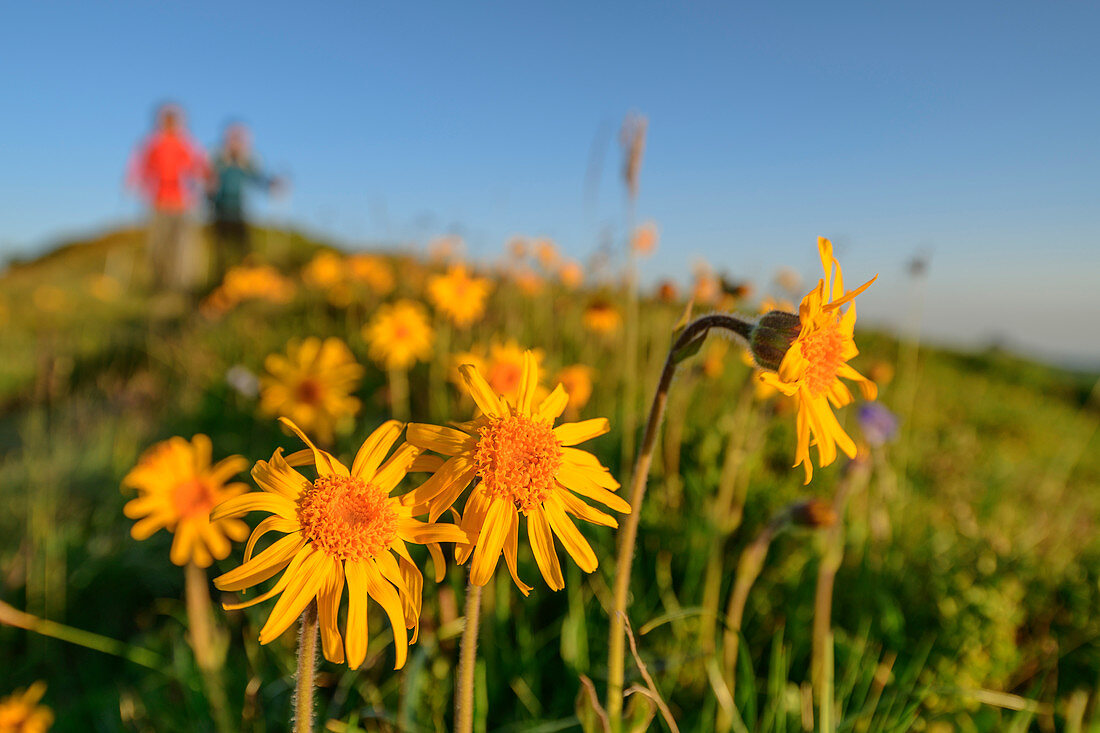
x=511, y=548
x=386, y=595
x=391, y=472
x=542, y=546
x=585, y=511
x=374, y=449
x=256, y=501
x=328, y=611
x=263, y=566
x=578, y=432
x=581, y=482
x=446, y=441
x=423, y=532
x=554, y=405
x=357, y=635
x=571, y=538
x=491, y=541
x=300, y=591
x=326, y=464
x=482, y=394
x=528, y=384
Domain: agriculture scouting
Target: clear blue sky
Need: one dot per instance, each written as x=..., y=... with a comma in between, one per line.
x=967, y=131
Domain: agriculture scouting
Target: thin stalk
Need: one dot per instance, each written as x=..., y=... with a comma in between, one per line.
x=639, y=477
x=11, y=616
x=307, y=661
x=399, y=393
x=464, y=685
x=201, y=633
x=630, y=389
x=748, y=570
x=832, y=556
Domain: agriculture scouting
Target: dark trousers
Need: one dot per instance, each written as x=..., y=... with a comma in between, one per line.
x=231, y=244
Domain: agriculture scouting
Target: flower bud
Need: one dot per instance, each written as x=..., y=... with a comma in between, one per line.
x=772, y=335
x=813, y=514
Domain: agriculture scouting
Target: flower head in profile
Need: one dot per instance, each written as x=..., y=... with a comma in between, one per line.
x=312, y=385
x=21, y=713
x=459, y=295
x=601, y=317
x=528, y=282
x=340, y=529
x=807, y=355
x=521, y=466
x=177, y=487
x=399, y=334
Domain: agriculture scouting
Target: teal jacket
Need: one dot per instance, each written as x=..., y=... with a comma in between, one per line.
x=228, y=200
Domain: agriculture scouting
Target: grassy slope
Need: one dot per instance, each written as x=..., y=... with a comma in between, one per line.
x=978, y=536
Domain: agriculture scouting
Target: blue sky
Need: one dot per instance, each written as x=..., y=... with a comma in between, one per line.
x=968, y=132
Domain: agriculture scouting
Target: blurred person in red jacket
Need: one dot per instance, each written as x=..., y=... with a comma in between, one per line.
x=167, y=169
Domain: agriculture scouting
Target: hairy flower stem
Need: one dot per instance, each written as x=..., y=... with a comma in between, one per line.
x=307, y=660
x=201, y=633
x=464, y=686
x=694, y=331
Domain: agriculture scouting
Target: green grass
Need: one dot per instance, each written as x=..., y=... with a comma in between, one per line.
x=967, y=598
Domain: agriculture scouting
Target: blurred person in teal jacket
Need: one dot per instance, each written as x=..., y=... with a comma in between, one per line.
x=233, y=170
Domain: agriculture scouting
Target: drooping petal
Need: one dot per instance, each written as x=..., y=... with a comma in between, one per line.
x=571, y=538
x=328, y=611
x=386, y=595
x=356, y=639
x=491, y=542
x=542, y=546
x=263, y=566
x=300, y=591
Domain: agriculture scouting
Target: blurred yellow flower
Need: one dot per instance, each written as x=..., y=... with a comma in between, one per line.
x=571, y=275
x=667, y=292
x=504, y=367
x=821, y=344
x=644, y=240
x=399, y=334
x=177, y=487
x=324, y=271
x=707, y=288
x=312, y=384
x=445, y=248
x=602, y=317
x=373, y=272
x=248, y=282
x=577, y=381
x=520, y=464
x=517, y=247
x=459, y=296
x=104, y=287
x=21, y=713
x=546, y=252
x=342, y=527
x=528, y=282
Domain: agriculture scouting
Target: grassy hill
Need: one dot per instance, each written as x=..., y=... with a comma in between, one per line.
x=966, y=598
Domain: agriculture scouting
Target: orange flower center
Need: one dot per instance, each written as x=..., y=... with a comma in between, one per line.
x=823, y=348
x=192, y=497
x=347, y=517
x=309, y=391
x=517, y=458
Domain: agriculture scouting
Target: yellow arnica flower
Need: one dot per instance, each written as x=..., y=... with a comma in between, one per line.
x=602, y=317
x=21, y=713
x=399, y=334
x=341, y=528
x=546, y=252
x=816, y=360
x=372, y=271
x=571, y=275
x=177, y=487
x=521, y=465
x=458, y=295
x=312, y=385
x=577, y=381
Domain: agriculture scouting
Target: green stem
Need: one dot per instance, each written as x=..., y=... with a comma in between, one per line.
x=201, y=632
x=307, y=660
x=464, y=686
x=399, y=393
x=639, y=477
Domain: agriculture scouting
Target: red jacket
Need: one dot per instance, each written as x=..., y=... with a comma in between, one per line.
x=166, y=168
